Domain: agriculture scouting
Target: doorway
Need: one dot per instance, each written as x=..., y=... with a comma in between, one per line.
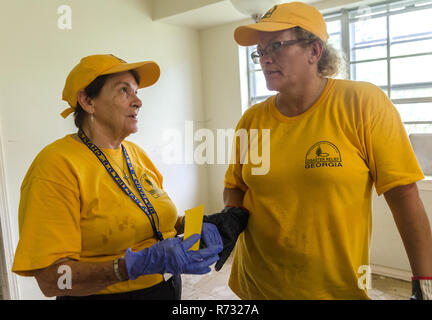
x=4, y=291
x=7, y=280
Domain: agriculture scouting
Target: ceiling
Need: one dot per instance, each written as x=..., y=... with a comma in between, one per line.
x=203, y=14
x=213, y=14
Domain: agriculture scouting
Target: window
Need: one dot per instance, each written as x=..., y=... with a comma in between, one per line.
x=394, y=39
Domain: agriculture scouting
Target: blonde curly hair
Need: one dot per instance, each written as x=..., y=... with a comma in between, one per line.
x=332, y=62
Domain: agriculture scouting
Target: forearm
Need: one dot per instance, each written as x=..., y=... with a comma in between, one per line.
x=414, y=227
x=86, y=278
x=179, y=226
x=417, y=239
x=233, y=197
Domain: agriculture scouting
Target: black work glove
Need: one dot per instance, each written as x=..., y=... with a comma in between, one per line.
x=230, y=223
x=421, y=288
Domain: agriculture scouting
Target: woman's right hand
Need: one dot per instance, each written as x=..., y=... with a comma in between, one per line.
x=230, y=222
x=171, y=256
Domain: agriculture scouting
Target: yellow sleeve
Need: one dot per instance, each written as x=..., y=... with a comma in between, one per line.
x=49, y=225
x=391, y=159
x=239, y=153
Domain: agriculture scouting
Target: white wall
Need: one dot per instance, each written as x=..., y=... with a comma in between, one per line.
x=36, y=57
x=221, y=94
x=388, y=254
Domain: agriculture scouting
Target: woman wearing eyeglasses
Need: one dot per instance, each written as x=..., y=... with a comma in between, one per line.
x=309, y=226
x=94, y=219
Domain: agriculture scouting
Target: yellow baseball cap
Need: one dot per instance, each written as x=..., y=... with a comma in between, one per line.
x=96, y=65
x=281, y=17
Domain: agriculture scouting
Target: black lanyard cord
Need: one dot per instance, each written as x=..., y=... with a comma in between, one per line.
x=148, y=208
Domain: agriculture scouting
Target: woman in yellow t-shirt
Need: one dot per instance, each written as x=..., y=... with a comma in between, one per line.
x=330, y=141
x=94, y=219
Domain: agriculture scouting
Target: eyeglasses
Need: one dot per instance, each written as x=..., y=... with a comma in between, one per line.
x=272, y=48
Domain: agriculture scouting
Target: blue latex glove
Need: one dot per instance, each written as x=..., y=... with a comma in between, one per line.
x=170, y=256
x=211, y=237
x=210, y=245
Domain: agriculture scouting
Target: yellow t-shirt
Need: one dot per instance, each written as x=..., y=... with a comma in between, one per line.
x=71, y=207
x=310, y=220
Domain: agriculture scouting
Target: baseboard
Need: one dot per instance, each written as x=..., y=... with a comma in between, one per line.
x=391, y=272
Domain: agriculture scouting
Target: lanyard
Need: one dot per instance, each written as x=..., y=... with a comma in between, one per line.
x=148, y=208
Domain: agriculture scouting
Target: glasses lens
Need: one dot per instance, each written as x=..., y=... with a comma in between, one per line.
x=275, y=46
x=255, y=57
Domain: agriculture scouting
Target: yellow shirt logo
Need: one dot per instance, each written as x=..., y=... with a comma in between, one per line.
x=323, y=154
x=150, y=186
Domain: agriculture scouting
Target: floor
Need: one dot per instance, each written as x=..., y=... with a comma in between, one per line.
x=384, y=288
x=213, y=286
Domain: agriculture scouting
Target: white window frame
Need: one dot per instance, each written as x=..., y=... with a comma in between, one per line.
x=344, y=16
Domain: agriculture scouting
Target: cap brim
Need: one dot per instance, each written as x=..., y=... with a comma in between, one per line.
x=248, y=35
x=148, y=71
